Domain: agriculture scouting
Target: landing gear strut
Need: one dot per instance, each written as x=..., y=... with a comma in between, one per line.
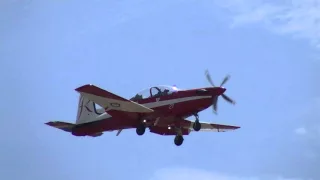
x=196, y=124
x=178, y=140
x=141, y=129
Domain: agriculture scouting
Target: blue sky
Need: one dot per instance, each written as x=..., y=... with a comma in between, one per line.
x=271, y=50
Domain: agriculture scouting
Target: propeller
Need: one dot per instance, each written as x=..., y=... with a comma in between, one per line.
x=215, y=99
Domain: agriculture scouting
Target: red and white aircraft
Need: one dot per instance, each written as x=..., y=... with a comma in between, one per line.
x=162, y=109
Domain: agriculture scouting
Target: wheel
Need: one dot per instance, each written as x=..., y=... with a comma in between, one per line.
x=141, y=129
x=196, y=125
x=178, y=140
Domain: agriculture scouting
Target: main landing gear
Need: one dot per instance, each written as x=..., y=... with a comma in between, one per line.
x=141, y=129
x=178, y=140
x=196, y=124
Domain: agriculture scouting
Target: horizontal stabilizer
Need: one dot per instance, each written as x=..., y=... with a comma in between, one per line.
x=61, y=125
x=65, y=126
x=110, y=101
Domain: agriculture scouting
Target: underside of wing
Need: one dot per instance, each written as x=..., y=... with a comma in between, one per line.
x=210, y=126
x=167, y=131
x=215, y=127
x=166, y=128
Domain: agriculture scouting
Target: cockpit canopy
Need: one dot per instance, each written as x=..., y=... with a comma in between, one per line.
x=155, y=91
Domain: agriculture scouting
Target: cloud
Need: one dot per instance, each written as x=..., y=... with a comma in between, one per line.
x=299, y=18
x=191, y=174
x=310, y=117
x=309, y=143
x=301, y=131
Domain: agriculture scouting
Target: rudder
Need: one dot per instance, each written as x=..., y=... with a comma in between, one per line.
x=87, y=111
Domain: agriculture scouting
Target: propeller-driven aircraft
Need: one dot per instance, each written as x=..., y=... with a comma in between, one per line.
x=162, y=109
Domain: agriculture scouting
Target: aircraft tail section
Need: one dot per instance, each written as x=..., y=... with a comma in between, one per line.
x=67, y=127
x=110, y=101
x=87, y=111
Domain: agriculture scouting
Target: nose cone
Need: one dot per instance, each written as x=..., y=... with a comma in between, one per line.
x=212, y=91
x=217, y=91
x=222, y=90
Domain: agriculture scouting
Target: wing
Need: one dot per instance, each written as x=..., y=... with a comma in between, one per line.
x=165, y=131
x=67, y=127
x=210, y=126
x=115, y=104
x=187, y=127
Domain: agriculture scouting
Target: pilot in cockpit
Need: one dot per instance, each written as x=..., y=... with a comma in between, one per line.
x=158, y=94
x=165, y=92
x=161, y=93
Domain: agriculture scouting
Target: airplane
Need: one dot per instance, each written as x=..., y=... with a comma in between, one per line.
x=162, y=109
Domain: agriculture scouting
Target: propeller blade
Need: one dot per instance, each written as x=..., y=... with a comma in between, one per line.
x=215, y=99
x=228, y=99
x=215, y=104
x=209, y=78
x=225, y=80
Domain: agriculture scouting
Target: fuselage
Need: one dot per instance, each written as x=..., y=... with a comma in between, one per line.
x=178, y=104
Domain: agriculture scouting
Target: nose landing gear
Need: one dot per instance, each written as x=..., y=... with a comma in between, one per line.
x=178, y=140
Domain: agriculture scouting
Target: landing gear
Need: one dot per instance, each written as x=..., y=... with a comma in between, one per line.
x=178, y=140
x=141, y=129
x=196, y=124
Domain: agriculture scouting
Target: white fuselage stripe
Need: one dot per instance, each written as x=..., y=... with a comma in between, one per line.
x=159, y=104
x=173, y=101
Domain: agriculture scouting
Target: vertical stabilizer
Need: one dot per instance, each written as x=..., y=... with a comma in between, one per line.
x=87, y=111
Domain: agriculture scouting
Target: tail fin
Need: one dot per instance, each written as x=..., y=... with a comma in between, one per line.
x=87, y=111
x=110, y=101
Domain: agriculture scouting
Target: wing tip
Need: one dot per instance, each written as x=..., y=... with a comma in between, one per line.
x=234, y=127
